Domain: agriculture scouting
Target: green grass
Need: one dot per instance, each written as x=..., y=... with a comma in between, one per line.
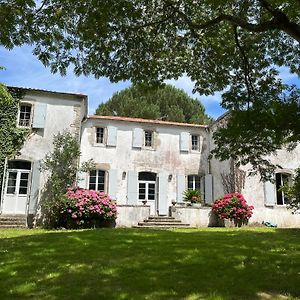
x=150, y=264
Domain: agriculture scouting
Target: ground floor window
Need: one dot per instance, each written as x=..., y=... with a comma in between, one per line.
x=194, y=182
x=97, y=180
x=281, y=180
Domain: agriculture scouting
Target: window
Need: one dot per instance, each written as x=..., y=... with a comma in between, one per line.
x=195, y=142
x=99, y=135
x=97, y=180
x=194, y=182
x=281, y=180
x=25, y=115
x=148, y=141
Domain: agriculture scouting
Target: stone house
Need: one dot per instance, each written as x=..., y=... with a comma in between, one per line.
x=137, y=160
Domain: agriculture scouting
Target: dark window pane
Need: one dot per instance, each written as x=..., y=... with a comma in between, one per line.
x=100, y=187
x=19, y=164
x=278, y=186
x=23, y=190
x=24, y=176
x=92, y=186
x=142, y=196
x=10, y=190
x=92, y=179
x=93, y=173
x=147, y=176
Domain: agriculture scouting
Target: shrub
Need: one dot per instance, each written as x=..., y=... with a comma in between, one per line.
x=192, y=195
x=87, y=208
x=233, y=207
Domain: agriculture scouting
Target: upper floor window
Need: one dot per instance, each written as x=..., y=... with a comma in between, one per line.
x=195, y=142
x=148, y=138
x=25, y=115
x=97, y=180
x=281, y=180
x=194, y=182
x=99, y=135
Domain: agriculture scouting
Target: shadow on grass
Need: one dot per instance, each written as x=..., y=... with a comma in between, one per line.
x=151, y=264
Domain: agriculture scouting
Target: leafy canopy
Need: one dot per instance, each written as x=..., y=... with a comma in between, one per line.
x=238, y=46
x=163, y=102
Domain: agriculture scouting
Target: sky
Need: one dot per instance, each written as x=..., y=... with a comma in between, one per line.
x=23, y=69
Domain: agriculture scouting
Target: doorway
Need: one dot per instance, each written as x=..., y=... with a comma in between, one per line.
x=148, y=190
x=16, y=187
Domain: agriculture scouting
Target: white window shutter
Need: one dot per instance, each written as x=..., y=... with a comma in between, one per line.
x=111, y=136
x=269, y=193
x=184, y=141
x=39, y=115
x=208, y=180
x=35, y=187
x=132, y=187
x=163, y=193
x=112, y=183
x=82, y=180
x=180, y=187
x=137, y=139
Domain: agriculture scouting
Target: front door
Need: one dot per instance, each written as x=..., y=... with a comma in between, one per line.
x=147, y=190
x=16, y=189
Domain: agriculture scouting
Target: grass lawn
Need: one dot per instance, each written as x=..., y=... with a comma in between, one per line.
x=150, y=264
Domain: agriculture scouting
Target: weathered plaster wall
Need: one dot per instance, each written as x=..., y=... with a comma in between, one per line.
x=165, y=155
x=130, y=215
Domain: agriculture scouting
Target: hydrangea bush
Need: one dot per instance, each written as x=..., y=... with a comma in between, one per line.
x=234, y=207
x=87, y=208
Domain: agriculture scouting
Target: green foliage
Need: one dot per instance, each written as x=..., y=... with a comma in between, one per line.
x=161, y=102
x=292, y=192
x=11, y=137
x=61, y=166
x=238, y=45
x=192, y=195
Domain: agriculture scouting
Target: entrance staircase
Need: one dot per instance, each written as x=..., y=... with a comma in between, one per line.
x=12, y=221
x=161, y=222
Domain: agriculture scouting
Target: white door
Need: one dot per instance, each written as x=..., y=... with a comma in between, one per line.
x=16, y=192
x=147, y=192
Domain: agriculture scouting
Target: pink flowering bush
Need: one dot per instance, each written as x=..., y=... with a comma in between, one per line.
x=234, y=207
x=87, y=208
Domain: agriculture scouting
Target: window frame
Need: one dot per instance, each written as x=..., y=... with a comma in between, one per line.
x=103, y=136
x=97, y=176
x=25, y=104
x=194, y=182
x=197, y=148
x=151, y=146
x=278, y=185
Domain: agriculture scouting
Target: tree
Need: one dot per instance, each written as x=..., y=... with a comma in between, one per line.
x=162, y=103
x=11, y=137
x=61, y=166
x=234, y=45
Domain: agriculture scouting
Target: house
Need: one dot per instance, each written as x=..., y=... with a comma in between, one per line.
x=45, y=113
x=145, y=165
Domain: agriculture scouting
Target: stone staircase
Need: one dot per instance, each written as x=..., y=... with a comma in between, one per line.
x=12, y=221
x=161, y=222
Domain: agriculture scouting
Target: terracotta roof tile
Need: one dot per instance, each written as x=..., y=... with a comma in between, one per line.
x=139, y=120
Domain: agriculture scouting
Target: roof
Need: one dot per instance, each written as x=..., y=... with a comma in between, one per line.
x=139, y=120
x=47, y=91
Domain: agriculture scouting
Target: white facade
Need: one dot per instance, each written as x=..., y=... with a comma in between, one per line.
x=45, y=114
x=137, y=162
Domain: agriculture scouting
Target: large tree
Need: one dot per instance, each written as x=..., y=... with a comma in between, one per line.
x=237, y=45
x=159, y=103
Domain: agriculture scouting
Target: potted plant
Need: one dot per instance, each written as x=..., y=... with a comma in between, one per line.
x=192, y=196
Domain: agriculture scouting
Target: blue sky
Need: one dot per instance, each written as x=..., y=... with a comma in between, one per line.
x=25, y=70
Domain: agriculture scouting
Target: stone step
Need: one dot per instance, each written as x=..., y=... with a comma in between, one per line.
x=179, y=224
x=12, y=221
x=162, y=220
x=160, y=226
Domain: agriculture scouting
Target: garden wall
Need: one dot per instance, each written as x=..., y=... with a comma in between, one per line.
x=195, y=216
x=130, y=215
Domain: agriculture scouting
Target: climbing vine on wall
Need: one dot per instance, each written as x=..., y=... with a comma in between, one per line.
x=11, y=137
